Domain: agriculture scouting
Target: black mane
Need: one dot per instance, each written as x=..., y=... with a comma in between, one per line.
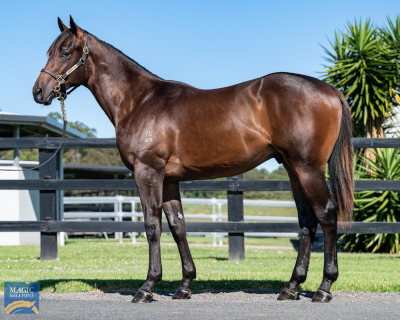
x=123, y=54
x=63, y=35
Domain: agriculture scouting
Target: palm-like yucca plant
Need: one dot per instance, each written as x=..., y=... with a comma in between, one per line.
x=381, y=206
x=392, y=38
x=392, y=35
x=364, y=68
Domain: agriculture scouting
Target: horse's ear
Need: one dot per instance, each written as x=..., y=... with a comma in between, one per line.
x=61, y=25
x=74, y=27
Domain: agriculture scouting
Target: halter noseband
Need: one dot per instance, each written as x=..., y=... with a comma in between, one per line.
x=60, y=89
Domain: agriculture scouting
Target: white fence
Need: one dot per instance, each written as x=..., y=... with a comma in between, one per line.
x=216, y=215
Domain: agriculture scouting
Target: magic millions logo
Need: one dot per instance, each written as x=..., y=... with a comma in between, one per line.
x=21, y=297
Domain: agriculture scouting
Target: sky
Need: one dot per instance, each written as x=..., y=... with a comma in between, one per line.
x=207, y=44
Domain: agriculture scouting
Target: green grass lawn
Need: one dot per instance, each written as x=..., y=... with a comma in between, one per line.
x=86, y=265
x=271, y=242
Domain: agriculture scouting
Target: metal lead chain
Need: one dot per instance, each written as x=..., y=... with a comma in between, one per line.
x=64, y=114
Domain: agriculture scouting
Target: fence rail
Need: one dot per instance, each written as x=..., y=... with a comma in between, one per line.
x=230, y=227
x=216, y=213
x=234, y=186
x=198, y=185
x=53, y=143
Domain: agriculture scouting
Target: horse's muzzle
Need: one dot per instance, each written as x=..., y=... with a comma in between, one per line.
x=39, y=96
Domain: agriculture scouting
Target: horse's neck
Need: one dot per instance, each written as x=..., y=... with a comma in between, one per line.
x=117, y=83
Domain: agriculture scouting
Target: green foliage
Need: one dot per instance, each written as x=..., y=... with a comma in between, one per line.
x=55, y=116
x=392, y=38
x=106, y=157
x=364, y=65
x=77, y=125
x=80, y=126
x=374, y=206
x=24, y=155
x=278, y=174
x=254, y=174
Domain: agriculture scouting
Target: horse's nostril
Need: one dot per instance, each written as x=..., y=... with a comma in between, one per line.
x=39, y=93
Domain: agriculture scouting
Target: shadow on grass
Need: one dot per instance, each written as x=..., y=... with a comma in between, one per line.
x=112, y=285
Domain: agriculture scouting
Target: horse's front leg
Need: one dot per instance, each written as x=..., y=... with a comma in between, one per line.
x=150, y=183
x=173, y=210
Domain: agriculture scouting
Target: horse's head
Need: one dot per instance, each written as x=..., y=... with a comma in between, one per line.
x=67, y=53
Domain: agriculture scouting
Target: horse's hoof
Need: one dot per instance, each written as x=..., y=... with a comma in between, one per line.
x=182, y=294
x=287, y=294
x=142, y=297
x=322, y=296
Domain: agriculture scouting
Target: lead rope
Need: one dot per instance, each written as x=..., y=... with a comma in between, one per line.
x=64, y=115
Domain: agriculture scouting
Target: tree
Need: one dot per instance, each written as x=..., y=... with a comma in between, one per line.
x=371, y=206
x=80, y=126
x=392, y=38
x=364, y=66
x=55, y=116
x=108, y=157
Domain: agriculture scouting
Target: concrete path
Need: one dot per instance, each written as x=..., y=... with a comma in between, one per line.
x=217, y=305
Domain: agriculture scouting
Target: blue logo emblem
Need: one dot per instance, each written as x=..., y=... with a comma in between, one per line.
x=21, y=297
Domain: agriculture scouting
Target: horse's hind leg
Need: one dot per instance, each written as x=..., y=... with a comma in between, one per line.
x=308, y=224
x=312, y=180
x=173, y=210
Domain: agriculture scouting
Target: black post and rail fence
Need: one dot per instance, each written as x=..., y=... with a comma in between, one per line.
x=49, y=226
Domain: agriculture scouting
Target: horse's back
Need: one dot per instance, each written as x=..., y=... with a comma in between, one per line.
x=221, y=132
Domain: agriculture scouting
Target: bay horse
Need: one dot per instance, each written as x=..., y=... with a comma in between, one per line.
x=168, y=131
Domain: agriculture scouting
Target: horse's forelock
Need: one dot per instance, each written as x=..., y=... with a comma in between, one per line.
x=60, y=39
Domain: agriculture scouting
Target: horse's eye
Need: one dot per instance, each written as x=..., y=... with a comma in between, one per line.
x=66, y=54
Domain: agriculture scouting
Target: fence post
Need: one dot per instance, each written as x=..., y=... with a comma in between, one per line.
x=48, y=206
x=235, y=213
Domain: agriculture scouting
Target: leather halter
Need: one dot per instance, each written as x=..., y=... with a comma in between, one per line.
x=60, y=89
x=62, y=94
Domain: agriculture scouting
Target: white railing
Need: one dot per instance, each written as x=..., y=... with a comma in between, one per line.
x=215, y=216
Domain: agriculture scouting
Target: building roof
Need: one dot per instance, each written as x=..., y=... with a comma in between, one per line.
x=34, y=126
x=81, y=171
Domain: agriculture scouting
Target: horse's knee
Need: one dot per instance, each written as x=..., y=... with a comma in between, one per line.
x=153, y=230
x=305, y=233
x=308, y=235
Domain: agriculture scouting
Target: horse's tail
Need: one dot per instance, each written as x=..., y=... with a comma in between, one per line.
x=341, y=165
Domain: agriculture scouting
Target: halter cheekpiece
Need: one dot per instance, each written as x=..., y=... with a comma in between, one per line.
x=60, y=89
